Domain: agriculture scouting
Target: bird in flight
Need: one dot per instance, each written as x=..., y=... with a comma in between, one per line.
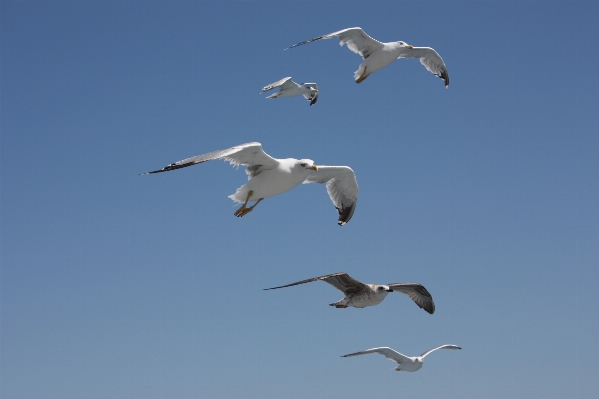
x=268, y=176
x=404, y=363
x=288, y=88
x=360, y=295
x=378, y=55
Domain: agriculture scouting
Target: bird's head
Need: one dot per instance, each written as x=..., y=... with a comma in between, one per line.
x=383, y=288
x=312, y=87
x=406, y=45
x=307, y=164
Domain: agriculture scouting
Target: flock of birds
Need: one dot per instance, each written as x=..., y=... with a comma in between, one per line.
x=268, y=176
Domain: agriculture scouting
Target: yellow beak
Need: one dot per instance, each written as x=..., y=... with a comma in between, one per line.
x=314, y=167
x=410, y=47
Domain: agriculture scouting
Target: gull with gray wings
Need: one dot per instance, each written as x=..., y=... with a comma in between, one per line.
x=288, y=88
x=378, y=55
x=360, y=295
x=268, y=176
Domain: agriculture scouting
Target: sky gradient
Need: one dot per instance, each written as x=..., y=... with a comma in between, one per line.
x=115, y=285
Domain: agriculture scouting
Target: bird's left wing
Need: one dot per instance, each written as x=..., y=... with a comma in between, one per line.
x=431, y=60
x=356, y=39
x=440, y=347
x=341, y=186
x=249, y=154
x=418, y=293
x=342, y=281
x=387, y=352
x=284, y=83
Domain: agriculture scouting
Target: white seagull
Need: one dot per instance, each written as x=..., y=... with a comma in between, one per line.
x=288, y=88
x=268, y=177
x=378, y=55
x=404, y=363
x=360, y=295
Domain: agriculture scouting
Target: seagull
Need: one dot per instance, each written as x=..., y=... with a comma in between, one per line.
x=288, y=88
x=378, y=55
x=404, y=363
x=360, y=295
x=268, y=176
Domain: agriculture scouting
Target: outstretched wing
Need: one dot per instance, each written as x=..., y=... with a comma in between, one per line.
x=342, y=281
x=341, y=186
x=313, y=95
x=387, y=352
x=431, y=60
x=249, y=154
x=356, y=39
x=418, y=293
x=284, y=83
x=440, y=347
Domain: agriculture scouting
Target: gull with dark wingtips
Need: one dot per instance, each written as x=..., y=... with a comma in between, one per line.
x=268, y=176
x=360, y=295
x=288, y=88
x=378, y=55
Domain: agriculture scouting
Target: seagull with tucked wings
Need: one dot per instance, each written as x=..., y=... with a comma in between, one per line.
x=360, y=295
x=268, y=176
x=378, y=55
x=404, y=363
x=288, y=88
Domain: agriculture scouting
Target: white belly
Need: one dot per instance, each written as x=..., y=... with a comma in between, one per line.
x=268, y=184
x=411, y=366
x=380, y=59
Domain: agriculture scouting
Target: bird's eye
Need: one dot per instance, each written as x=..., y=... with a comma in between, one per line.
x=303, y=165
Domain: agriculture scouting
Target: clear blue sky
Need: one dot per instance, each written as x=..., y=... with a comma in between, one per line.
x=115, y=285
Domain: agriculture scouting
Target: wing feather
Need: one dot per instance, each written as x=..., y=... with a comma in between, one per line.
x=356, y=39
x=440, y=347
x=341, y=186
x=312, y=96
x=249, y=154
x=418, y=293
x=284, y=83
x=431, y=60
x=342, y=281
x=387, y=352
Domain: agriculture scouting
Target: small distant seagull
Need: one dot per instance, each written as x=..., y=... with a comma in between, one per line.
x=405, y=363
x=360, y=295
x=288, y=88
x=378, y=55
x=268, y=177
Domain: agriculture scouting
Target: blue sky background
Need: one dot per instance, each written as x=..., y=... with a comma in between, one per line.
x=115, y=285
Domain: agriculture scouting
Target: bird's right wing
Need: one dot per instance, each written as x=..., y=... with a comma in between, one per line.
x=440, y=347
x=387, y=352
x=249, y=154
x=341, y=186
x=312, y=96
x=431, y=60
x=418, y=293
x=284, y=83
x=356, y=39
x=342, y=281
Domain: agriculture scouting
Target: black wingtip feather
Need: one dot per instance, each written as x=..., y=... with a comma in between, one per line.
x=346, y=213
x=305, y=42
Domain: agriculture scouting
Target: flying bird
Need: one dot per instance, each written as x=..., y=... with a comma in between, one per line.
x=268, y=176
x=378, y=55
x=404, y=363
x=360, y=295
x=288, y=88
